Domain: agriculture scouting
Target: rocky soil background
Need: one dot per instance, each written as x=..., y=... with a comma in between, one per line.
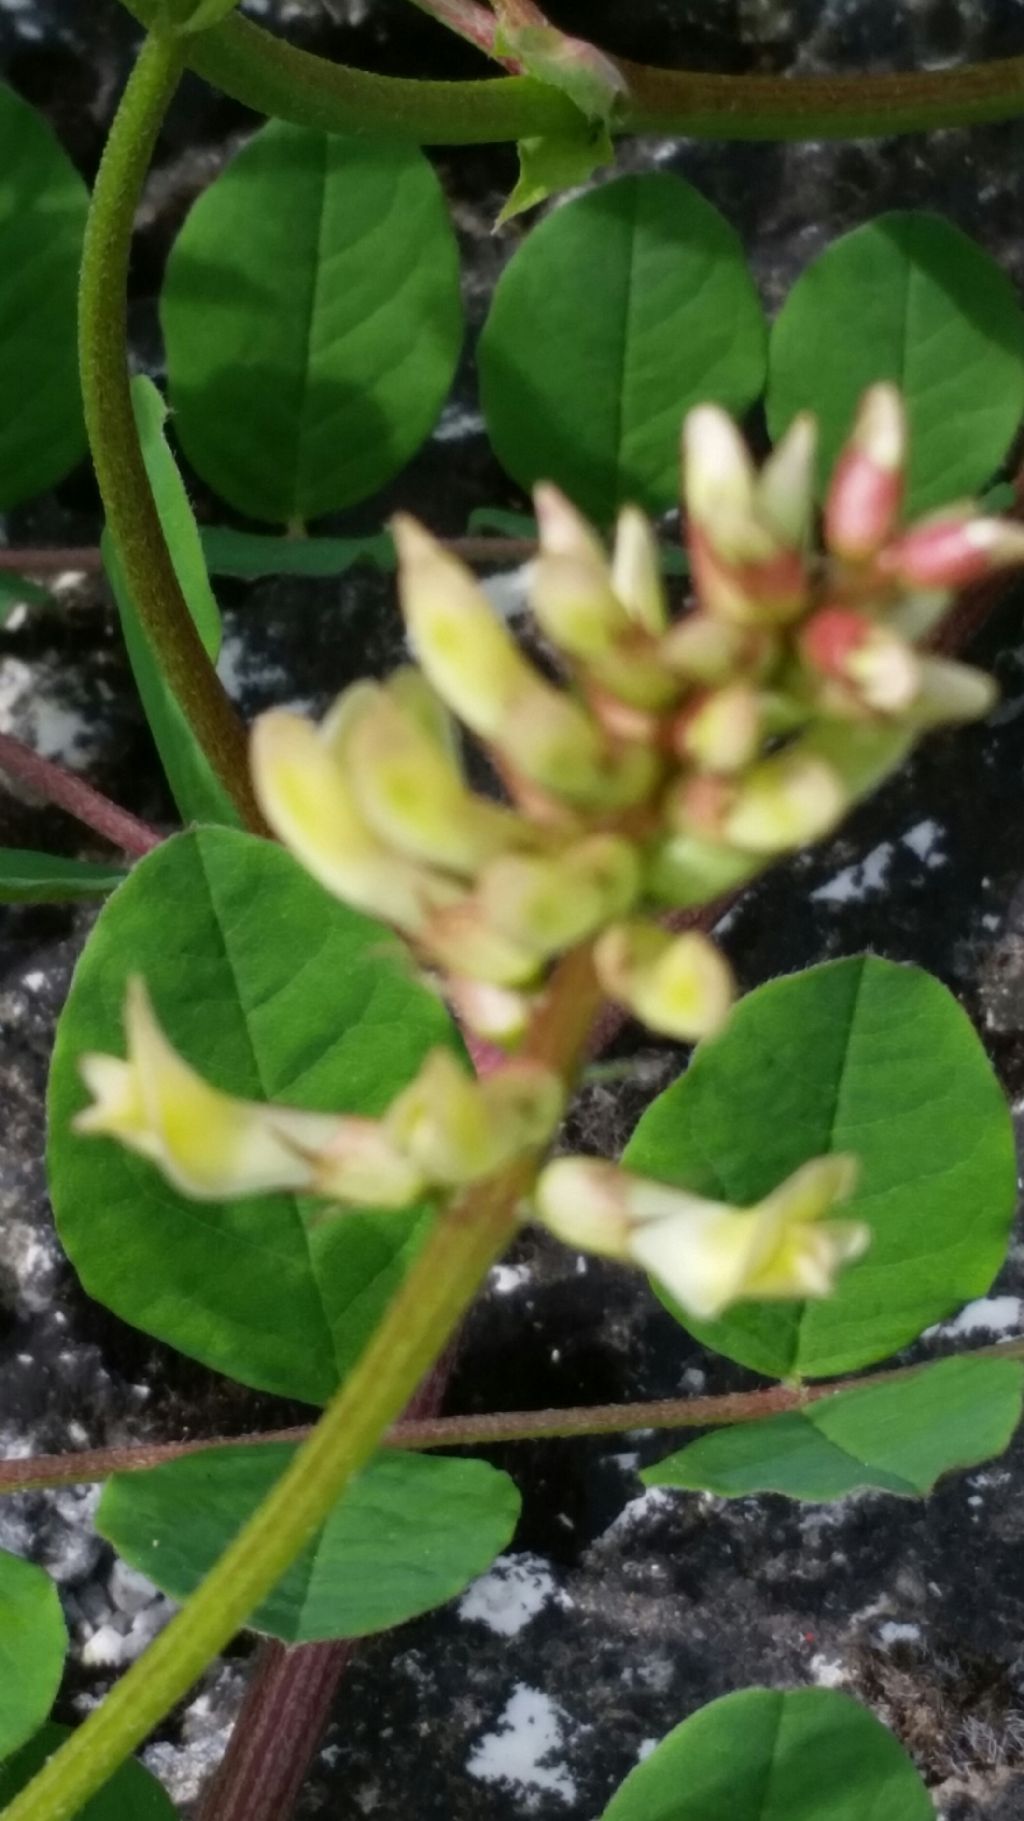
x=616, y=1613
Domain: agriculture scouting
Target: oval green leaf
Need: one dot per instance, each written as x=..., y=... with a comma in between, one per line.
x=907, y=298
x=618, y=313
x=860, y=1056
x=33, y=1644
x=275, y=991
x=809, y=1754
x=43, y=205
x=195, y=786
x=313, y=321
x=897, y=1437
x=132, y=1794
x=411, y=1532
x=30, y=878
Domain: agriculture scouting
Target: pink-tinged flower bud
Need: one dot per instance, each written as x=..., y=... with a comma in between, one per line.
x=679, y=986
x=457, y=1129
x=880, y=670
x=700, y=806
x=708, y=1254
x=636, y=571
x=304, y=789
x=549, y=904
x=866, y=491
x=767, y=591
x=785, y=485
x=497, y=1014
x=788, y=800
x=952, y=550
x=721, y=731
x=460, y=938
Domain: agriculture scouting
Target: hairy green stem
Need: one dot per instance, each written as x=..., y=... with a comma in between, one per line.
x=275, y=78
x=441, y=1283
x=113, y=438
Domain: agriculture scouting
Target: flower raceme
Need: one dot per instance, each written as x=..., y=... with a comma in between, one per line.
x=650, y=762
x=672, y=759
x=444, y=1130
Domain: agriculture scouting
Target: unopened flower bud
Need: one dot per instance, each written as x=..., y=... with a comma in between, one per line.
x=476, y=666
x=680, y=986
x=783, y=803
x=304, y=788
x=498, y=1014
x=461, y=939
x=721, y=731
x=575, y=604
x=707, y=650
x=785, y=485
x=866, y=491
x=684, y=870
x=707, y=1254
x=411, y=792
x=457, y=1129
x=470, y=657
x=549, y=903
x=952, y=551
x=881, y=670
x=719, y=485
x=636, y=571
x=562, y=531
x=951, y=693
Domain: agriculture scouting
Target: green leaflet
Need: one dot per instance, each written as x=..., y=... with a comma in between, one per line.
x=197, y=790
x=761, y=1755
x=31, y=878
x=618, y=313
x=43, y=205
x=33, y=1643
x=896, y=1437
x=275, y=991
x=866, y=1057
x=410, y=1533
x=333, y=263
x=251, y=555
x=908, y=298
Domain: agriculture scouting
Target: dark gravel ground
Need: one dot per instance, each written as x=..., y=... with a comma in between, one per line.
x=620, y=1614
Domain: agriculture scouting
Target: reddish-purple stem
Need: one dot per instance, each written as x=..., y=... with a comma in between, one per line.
x=289, y=1696
x=71, y=793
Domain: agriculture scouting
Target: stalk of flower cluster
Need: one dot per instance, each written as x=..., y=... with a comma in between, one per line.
x=273, y=77
x=464, y=1243
x=131, y=513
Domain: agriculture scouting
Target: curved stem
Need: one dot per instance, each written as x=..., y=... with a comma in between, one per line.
x=77, y=798
x=464, y=1242
x=275, y=78
x=120, y=471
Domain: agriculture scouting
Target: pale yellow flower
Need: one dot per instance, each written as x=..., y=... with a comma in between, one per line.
x=213, y=1146
x=707, y=1254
